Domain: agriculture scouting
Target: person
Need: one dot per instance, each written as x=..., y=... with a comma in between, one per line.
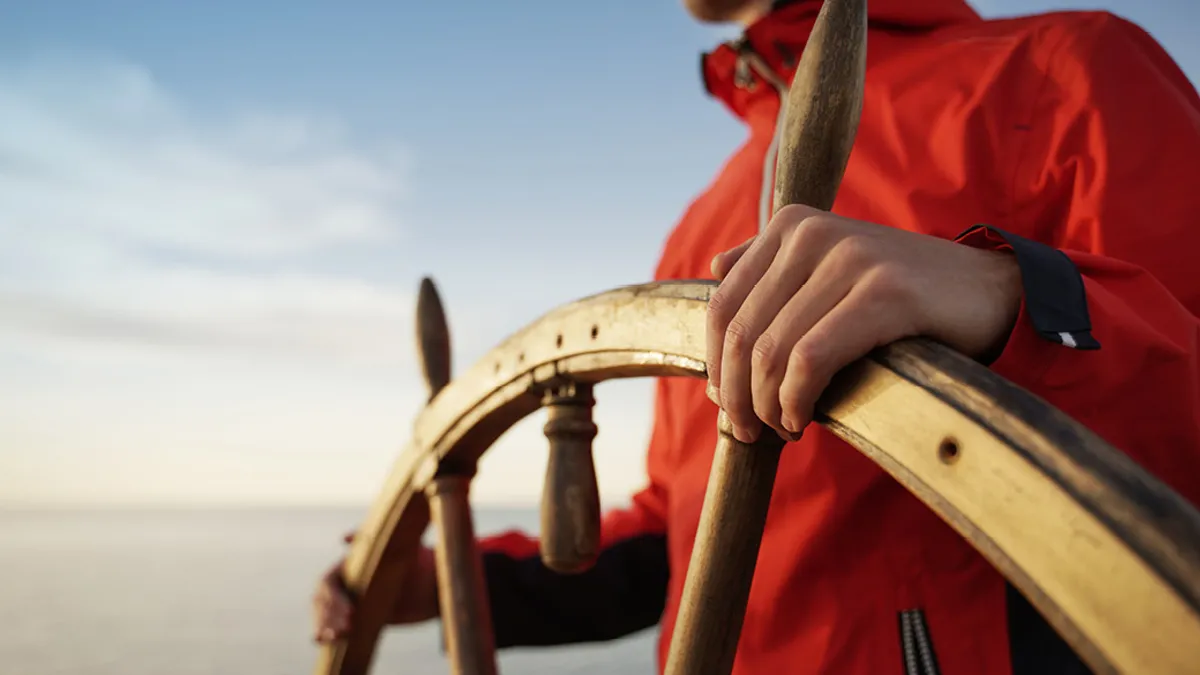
x=1024, y=190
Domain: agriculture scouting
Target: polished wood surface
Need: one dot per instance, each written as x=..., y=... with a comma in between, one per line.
x=1103, y=549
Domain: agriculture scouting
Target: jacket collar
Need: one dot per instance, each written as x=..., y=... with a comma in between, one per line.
x=778, y=39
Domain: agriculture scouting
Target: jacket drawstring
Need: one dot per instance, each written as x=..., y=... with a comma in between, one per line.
x=747, y=57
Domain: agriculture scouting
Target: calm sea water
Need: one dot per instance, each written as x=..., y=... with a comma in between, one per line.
x=179, y=592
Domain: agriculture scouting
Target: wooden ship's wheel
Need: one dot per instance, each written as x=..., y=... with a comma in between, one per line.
x=1106, y=552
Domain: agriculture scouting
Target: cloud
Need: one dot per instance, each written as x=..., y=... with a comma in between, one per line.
x=128, y=219
x=184, y=315
x=196, y=310
x=109, y=139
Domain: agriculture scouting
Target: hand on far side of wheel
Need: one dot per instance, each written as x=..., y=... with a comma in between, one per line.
x=333, y=606
x=815, y=291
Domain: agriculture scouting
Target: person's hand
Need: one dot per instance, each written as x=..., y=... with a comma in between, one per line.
x=814, y=292
x=333, y=608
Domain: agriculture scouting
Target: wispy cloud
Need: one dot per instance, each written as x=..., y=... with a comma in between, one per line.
x=182, y=313
x=127, y=218
x=107, y=138
x=171, y=327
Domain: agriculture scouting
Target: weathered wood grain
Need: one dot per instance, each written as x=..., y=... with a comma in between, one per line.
x=1104, y=550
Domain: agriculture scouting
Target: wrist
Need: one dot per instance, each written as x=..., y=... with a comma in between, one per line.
x=1003, y=279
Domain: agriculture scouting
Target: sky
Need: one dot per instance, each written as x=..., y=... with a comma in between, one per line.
x=215, y=216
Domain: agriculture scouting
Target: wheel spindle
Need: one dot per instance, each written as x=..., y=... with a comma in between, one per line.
x=570, y=528
x=824, y=105
x=462, y=591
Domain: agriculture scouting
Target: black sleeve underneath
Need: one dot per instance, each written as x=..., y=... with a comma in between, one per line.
x=624, y=592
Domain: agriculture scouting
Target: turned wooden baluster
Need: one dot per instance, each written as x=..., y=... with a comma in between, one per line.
x=462, y=594
x=570, y=536
x=824, y=105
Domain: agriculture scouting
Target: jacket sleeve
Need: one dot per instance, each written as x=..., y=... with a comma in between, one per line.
x=1108, y=182
x=624, y=592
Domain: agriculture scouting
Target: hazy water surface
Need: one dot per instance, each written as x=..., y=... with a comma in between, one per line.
x=184, y=592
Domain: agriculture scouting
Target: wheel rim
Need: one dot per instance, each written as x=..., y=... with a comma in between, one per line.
x=1013, y=457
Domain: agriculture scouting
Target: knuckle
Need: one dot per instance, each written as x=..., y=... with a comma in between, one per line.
x=891, y=284
x=765, y=357
x=807, y=373
x=816, y=232
x=791, y=400
x=855, y=252
x=720, y=310
x=803, y=361
x=817, y=225
x=823, y=230
x=738, y=339
x=793, y=214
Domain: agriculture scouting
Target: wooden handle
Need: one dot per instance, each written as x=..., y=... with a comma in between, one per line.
x=723, y=556
x=570, y=532
x=433, y=338
x=824, y=105
x=462, y=593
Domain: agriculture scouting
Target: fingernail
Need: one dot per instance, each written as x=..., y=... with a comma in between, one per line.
x=714, y=394
x=744, y=434
x=789, y=425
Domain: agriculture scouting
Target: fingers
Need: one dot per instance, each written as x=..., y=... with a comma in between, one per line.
x=815, y=292
x=747, y=349
x=776, y=346
x=333, y=609
x=725, y=303
x=857, y=324
x=763, y=273
x=801, y=302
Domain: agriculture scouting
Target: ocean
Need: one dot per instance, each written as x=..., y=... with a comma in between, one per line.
x=202, y=592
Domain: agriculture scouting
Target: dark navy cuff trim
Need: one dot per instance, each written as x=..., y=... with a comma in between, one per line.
x=1055, y=297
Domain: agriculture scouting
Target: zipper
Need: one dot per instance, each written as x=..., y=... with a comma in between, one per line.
x=749, y=64
x=915, y=645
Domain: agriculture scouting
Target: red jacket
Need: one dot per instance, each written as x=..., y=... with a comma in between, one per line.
x=1074, y=130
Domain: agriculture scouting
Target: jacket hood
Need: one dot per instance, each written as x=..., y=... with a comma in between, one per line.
x=778, y=40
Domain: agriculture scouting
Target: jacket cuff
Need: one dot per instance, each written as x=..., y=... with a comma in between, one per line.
x=1053, y=312
x=1055, y=302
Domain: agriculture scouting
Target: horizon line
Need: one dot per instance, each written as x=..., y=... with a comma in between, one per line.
x=500, y=504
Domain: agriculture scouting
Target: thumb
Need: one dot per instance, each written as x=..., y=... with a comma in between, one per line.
x=723, y=262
